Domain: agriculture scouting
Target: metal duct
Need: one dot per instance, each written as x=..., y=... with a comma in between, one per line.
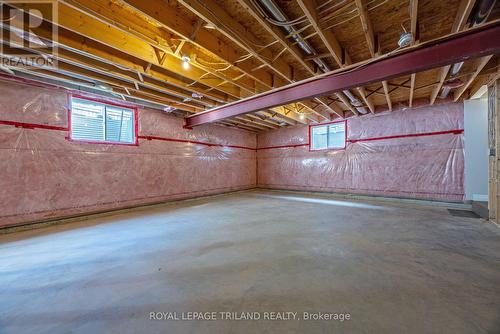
x=276, y=12
x=483, y=10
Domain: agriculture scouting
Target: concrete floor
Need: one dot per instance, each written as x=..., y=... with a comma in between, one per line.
x=394, y=268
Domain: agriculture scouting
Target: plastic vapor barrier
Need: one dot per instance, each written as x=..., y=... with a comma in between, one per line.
x=45, y=175
x=414, y=153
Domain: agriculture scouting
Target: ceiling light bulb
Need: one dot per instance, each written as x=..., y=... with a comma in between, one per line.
x=405, y=39
x=185, y=62
x=301, y=116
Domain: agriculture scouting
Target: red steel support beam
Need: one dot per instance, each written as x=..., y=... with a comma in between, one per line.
x=473, y=43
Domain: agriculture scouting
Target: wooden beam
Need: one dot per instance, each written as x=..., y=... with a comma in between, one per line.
x=459, y=24
x=240, y=126
x=443, y=73
x=318, y=56
x=487, y=80
x=256, y=120
x=79, y=49
x=328, y=38
x=279, y=115
x=367, y=26
x=71, y=39
x=372, y=47
x=480, y=64
x=387, y=97
x=463, y=14
x=117, y=16
x=293, y=49
x=115, y=55
x=474, y=43
x=344, y=100
x=367, y=101
x=211, y=12
x=121, y=41
x=68, y=81
x=414, y=20
x=412, y=89
x=96, y=75
x=169, y=18
x=121, y=17
x=241, y=121
x=309, y=7
x=265, y=119
x=81, y=62
x=278, y=35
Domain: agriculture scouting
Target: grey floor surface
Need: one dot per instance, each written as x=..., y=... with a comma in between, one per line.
x=394, y=268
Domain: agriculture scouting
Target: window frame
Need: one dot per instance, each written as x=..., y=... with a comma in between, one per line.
x=109, y=103
x=311, y=126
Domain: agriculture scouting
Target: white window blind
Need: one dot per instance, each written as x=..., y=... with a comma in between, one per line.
x=328, y=136
x=99, y=122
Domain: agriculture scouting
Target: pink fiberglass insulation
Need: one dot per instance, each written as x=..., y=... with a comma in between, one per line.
x=44, y=175
x=426, y=167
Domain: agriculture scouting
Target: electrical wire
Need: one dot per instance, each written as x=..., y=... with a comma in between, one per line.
x=222, y=24
x=354, y=10
x=352, y=17
x=279, y=54
x=286, y=23
x=340, y=12
x=297, y=32
x=209, y=63
x=266, y=46
x=331, y=6
x=243, y=58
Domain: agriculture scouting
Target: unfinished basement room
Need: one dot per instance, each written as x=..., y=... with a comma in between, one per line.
x=250, y=166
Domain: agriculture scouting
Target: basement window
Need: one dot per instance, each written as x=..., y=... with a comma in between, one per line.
x=100, y=122
x=329, y=136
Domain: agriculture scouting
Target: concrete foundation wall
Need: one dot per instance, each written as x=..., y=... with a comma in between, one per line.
x=46, y=176
x=426, y=166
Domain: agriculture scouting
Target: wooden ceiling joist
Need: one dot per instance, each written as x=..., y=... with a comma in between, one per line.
x=475, y=43
x=374, y=48
x=112, y=36
x=75, y=41
x=487, y=80
x=386, y=93
x=459, y=24
x=309, y=8
x=138, y=49
x=91, y=49
x=340, y=55
x=264, y=120
x=168, y=18
x=292, y=48
x=479, y=65
x=211, y=12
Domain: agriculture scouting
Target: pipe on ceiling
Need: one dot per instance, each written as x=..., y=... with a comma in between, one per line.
x=277, y=13
x=482, y=10
x=473, y=43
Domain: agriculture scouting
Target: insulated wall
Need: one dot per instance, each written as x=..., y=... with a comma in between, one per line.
x=413, y=153
x=44, y=175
